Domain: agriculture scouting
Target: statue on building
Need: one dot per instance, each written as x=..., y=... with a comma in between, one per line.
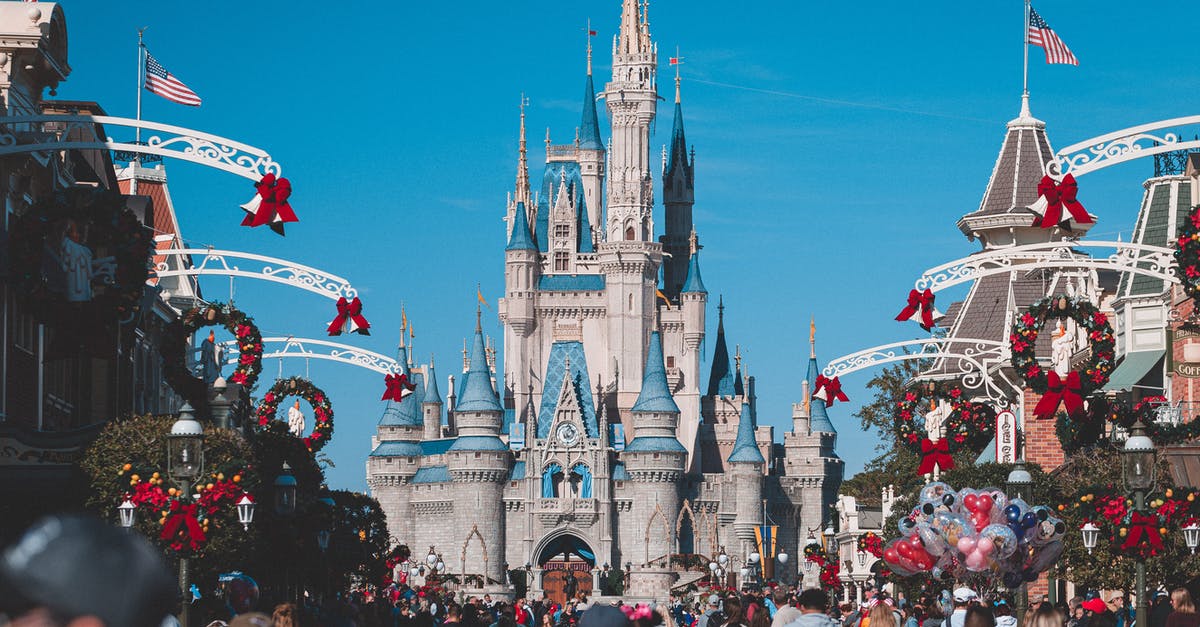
x=73, y=264
x=296, y=420
x=211, y=355
x=1062, y=348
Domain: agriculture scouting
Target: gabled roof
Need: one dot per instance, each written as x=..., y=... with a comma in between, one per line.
x=619, y=473
x=693, y=283
x=678, y=157
x=1019, y=167
x=432, y=394
x=655, y=395
x=571, y=282
x=521, y=238
x=1165, y=206
x=562, y=352
x=436, y=447
x=478, y=393
x=745, y=447
x=406, y=413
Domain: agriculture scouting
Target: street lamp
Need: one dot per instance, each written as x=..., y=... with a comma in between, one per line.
x=1091, y=533
x=862, y=558
x=285, y=492
x=126, y=513
x=1191, y=535
x=1019, y=486
x=323, y=540
x=185, y=462
x=245, y=511
x=1138, y=458
x=811, y=541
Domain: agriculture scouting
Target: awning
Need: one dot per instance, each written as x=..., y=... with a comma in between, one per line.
x=1133, y=369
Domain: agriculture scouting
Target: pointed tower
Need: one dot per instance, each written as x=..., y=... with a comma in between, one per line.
x=521, y=270
x=431, y=405
x=478, y=457
x=396, y=451
x=655, y=458
x=693, y=304
x=678, y=186
x=746, y=469
x=591, y=159
x=632, y=100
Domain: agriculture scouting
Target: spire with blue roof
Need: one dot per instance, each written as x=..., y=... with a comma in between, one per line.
x=655, y=395
x=589, y=127
x=694, y=284
x=679, y=155
x=521, y=238
x=432, y=394
x=478, y=393
x=406, y=412
x=818, y=418
x=720, y=378
x=745, y=447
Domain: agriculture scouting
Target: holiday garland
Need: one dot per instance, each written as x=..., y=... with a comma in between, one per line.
x=1187, y=253
x=969, y=426
x=186, y=520
x=1072, y=389
x=870, y=542
x=93, y=219
x=303, y=388
x=1132, y=532
x=830, y=569
x=1161, y=432
x=174, y=346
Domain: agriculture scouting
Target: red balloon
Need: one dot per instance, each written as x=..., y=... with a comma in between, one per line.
x=891, y=555
x=970, y=501
x=904, y=549
x=985, y=502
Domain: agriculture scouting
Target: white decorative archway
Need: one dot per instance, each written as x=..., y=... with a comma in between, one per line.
x=230, y=263
x=305, y=348
x=1123, y=257
x=51, y=133
x=1125, y=145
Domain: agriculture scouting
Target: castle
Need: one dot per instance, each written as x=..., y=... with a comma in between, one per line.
x=600, y=448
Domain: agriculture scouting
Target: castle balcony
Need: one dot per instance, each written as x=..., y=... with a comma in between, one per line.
x=556, y=511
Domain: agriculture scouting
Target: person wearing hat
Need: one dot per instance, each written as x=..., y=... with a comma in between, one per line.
x=75, y=571
x=962, y=599
x=712, y=616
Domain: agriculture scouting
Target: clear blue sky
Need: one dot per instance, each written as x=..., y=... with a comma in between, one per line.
x=836, y=146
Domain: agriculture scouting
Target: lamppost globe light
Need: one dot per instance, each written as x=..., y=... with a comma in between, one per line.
x=862, y=558
x=808, y=565
x=323, y=540
x=431, y=559
x=1138, y=457
x=754, y=557
x=722, y=559
x=414, y=571
x=744, y=572
x=126, y=512
x=245, y=511
x=1191, y=536
x=713, y=566
x=782, y=557
x=185, y=447
x=811, y=540
x=285, y=492
x=1091, y=533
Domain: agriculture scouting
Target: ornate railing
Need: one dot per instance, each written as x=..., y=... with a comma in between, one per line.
x=1125, y=145
x=305, y=348
x=209, y=262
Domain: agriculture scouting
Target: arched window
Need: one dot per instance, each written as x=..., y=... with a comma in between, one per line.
x=581, y=481
x=630, y=234
x=552, y=476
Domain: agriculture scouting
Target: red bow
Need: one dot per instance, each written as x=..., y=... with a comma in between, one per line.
x=1058, y=196
x=1142, y=524
x=935, y=453
x=183, y=515
x=921, y=302
x=1060, y=391
x=270, y=206
x=349, y=318
x=397, y=387
x=831, y=390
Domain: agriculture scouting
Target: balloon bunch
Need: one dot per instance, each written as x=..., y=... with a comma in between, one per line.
x=950, y=534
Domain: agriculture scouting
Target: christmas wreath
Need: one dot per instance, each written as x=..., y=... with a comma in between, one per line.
x=1132, y=532
x=968, y=426
x=185, y=519
x=1077, y=385
x=174, y=346
x=303, y=388
x=1146, y=410
x=81, y=249
x=830, y=569
x=870, y=542
x=1187, y=253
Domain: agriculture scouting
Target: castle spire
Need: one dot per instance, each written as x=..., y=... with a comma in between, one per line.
x=589, y=126
x=819, y=421
x=522, y=159
x=720, y=379
x=745, y=447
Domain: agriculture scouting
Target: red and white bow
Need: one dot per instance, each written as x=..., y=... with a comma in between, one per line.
x=920, y=308
x=935, y=454
x=270, y=204
x=349, y=318
x=398, y=387
x=1053, y=198
x=1064, y=391
x=829, y=390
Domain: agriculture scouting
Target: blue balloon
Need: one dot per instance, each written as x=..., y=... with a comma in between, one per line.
x=1012, y=514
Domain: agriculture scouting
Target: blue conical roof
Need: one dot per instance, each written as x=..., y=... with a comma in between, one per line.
x=818, y=418
x=655, y=394
x=478, y=394
x=745, y=448
x=521, y=238
x=589, y=128
x=405, y=413
x=678, y=156
x=432, y=394
x=720, y=378
x=693, y=283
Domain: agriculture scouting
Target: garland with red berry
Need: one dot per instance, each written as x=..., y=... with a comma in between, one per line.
x=1132, y=532
x=1077, y=385
x=174, y=346
x=303, y=388
x=1187, y=253
x=830, y=568
x=870, y=542
x=969, y=426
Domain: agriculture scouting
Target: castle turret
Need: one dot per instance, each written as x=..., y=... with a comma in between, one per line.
x=431, y=405
x=591, y=159
x=479, y=457
x=693, y=302
x=746, y=467
x=632, y=100
x=521, y=270
x=678, y=184
x=396, y=451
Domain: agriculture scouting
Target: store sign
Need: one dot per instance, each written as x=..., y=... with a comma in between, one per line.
x=1187, y=370
x=15, y=453
x=1006, y=437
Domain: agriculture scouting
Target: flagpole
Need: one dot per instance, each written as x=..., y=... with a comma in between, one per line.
x=1025, y=72
x=141, y=66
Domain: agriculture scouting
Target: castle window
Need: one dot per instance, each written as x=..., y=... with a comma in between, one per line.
x=670, y=361
x=562, y=230
x=562, y=262
x=478, y=454
x=630, y=233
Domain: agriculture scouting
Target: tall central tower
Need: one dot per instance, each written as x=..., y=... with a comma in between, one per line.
x=632, y=99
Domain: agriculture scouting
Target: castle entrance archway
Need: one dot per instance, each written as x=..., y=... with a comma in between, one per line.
x=566, y=563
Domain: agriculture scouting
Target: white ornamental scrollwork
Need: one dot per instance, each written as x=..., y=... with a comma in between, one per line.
x=305, y=348
x=230, y=263
x=1124, y=145
x=1123, y=257
x=970, y=361
x=50, y=133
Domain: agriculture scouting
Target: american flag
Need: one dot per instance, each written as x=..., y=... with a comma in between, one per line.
x=1040, y=34
x=163, y=83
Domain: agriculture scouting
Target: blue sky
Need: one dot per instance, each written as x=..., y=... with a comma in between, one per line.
x=836, y=146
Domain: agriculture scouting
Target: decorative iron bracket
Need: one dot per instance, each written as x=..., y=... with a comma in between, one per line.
x=229, y=263
x=306, y=348
x=1125, y=145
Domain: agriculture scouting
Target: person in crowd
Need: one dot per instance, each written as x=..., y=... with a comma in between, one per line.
x=1184, y=614
x=712, y=616
x=734, y=615
x=285, y=615
x=1121, y=610
x=882, y=614
x=1004, y=614
x=1160, y=609
x=962, y=600
x=785, y=612
x=1097, y=614
x=769, y=602
x=759, y=615
x=453, y=615
x=1045, y=616
x=813, y=605
x=75, y=571
x=934, y=616
x=979, y=616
